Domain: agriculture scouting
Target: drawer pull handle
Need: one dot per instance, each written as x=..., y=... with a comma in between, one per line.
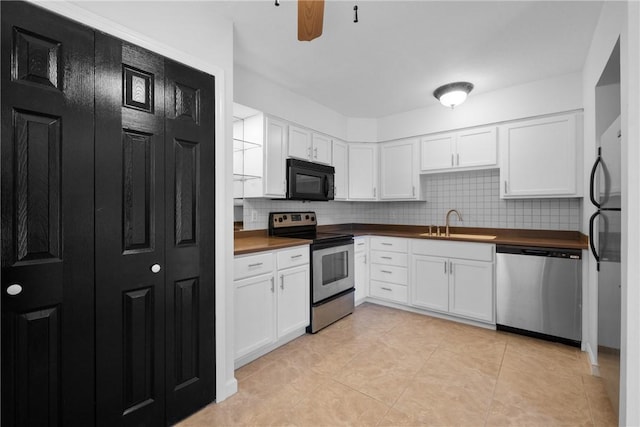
x=272, y=286
x=296, y=256
x=387, y=244
x=386, y=271
x=385, y=289
x=386, y=257
x=257, y=264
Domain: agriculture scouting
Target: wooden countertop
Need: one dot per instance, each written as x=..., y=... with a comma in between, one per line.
x=258, y=240
x=504, y=236
x=246, y=242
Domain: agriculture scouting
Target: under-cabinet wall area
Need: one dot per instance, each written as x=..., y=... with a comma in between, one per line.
x=476, y=194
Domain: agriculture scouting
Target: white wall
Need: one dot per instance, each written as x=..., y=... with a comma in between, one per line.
x=206, y=44
x=557, y=94
x=255, y=91
x=619, y=19
x=630, y=351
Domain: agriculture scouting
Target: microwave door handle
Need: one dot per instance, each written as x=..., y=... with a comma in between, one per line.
x=326, y=186
x=592, y=180
x=592, y=244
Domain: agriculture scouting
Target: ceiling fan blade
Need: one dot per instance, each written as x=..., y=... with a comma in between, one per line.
x=310, y=18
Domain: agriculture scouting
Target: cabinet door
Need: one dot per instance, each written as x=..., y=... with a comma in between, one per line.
x=471, y=289
x=477, y=147
x=254, y=313
x=299, y=143
x=436, y=152
x=361, y=275
x=321, y=149
x=539, y=158
x=430, y=282
x=339, y=155
x=293, y=299
x=398, y=175
x=363, y=166
x=275, y=158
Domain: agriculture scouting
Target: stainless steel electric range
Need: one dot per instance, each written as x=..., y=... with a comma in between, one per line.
x=332, y=265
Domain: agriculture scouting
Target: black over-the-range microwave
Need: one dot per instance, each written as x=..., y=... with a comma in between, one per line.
x=309, y=181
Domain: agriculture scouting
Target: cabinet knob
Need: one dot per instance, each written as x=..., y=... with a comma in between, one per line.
x=155, y=268
x=14, y=289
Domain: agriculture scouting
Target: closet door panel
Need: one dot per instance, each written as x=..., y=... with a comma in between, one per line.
x=190, y=257
x=47, y=83
x=130, y=269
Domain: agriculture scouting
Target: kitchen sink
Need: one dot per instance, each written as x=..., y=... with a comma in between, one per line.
x=464, y=236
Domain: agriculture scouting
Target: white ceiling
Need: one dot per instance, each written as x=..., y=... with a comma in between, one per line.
x=400, y=51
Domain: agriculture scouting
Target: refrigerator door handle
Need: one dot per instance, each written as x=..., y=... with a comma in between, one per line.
x=591, y=239
x=592, y=180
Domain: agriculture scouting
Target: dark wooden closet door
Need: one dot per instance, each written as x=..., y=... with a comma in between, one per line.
x=189, y=148
x=47, y=219
x=130, y=235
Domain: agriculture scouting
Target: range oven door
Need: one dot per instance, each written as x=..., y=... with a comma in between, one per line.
x=309, y=181
x=332, y=269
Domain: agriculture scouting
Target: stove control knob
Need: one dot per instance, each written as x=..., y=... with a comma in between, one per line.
x=306, y=217
x=280, y=219
x=284, y=217
x=313, y=218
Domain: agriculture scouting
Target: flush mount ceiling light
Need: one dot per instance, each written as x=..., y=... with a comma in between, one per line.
x=453, y=94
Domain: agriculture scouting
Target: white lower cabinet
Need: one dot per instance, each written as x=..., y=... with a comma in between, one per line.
x=458, y=286
x=388, y=269
x=431, y=282
x=471, y=289
x=293, y=299
x=271, y=301
x=361, y=268
x=255, y=304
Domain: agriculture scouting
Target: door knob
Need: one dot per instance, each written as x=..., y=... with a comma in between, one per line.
x=155, y=268
x=14, y=289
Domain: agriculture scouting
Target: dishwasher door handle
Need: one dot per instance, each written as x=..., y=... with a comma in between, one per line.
x=539, y=252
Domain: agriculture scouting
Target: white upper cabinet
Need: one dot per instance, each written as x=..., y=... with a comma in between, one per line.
x=399, y=175
x=320, y=148
x=541, y=157
x=363, y=171
x=267, y=161
x=436, y=152
x=299, y=143
x=475, y=148
x=339, y=162
x=275, y=161
x=310, y=146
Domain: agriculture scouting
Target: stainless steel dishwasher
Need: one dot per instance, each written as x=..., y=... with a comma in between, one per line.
x=539, y=292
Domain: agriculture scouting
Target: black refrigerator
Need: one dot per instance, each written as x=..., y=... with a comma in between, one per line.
x=604, y=239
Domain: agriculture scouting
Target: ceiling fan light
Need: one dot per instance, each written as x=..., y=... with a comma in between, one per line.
x=453, y=94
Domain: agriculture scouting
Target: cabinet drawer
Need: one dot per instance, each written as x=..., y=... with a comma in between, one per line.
x=389, y=273
x=252, y=265
x=389, y=258
x=360, y=244
x=389, y=291
x=389, y=244
x=448, y=249
x=293, y=257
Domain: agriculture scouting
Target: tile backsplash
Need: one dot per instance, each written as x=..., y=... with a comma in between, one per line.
x=475, y=194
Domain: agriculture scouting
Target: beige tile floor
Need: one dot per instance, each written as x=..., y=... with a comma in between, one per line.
x=386, y=367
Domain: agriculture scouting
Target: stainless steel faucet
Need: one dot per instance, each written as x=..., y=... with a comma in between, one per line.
x=446, y=233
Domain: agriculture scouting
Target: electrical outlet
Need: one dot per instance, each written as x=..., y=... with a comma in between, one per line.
x=254, y=215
